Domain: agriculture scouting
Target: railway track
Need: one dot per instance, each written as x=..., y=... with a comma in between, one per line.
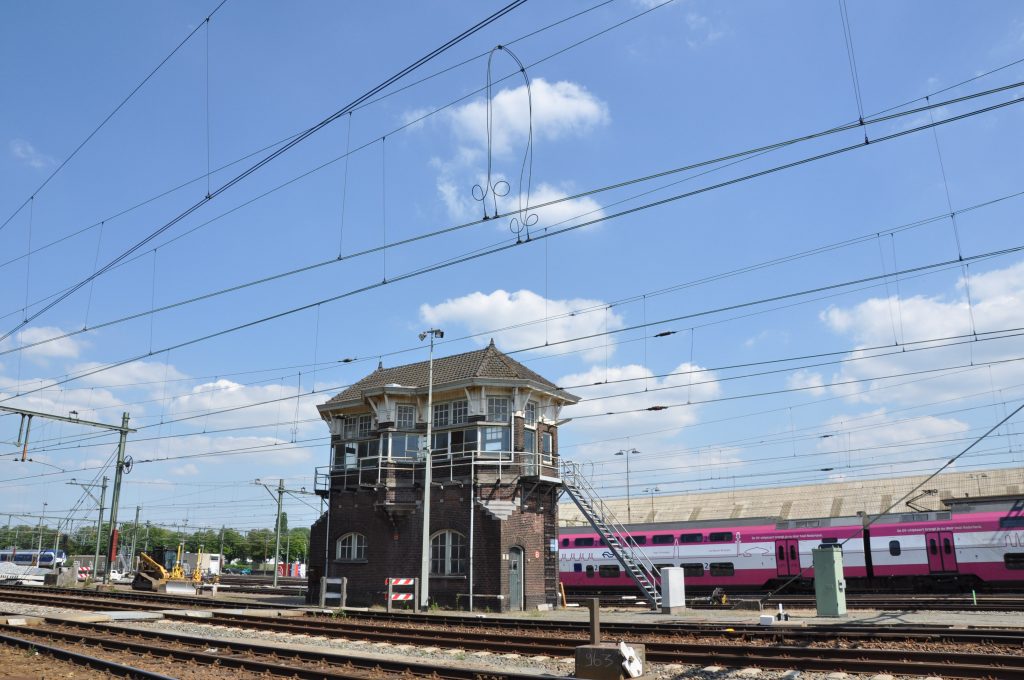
x=117, y=600
x=958, y=602
x=955, y=654
x=107, y=666
x=251, y=658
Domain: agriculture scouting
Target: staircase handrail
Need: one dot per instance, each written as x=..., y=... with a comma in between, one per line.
x=573, y=473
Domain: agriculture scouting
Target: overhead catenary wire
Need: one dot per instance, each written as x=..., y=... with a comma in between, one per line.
x=507, y=246
x=110, y=115
x=270, y=157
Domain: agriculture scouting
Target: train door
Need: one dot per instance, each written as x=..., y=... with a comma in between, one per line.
x=941, y=551
x=787, y=557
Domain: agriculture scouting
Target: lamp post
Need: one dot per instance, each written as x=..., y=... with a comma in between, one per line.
x=652, y=491
x=629, y=509
x=428, y=472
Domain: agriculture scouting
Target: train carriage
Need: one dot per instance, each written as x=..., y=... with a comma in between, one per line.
x=920, y=551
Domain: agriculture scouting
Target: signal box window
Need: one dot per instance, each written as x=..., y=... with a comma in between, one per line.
x=608, y=571
x=894, y=548
x=663, y=539
x=719, y=536
x=691, y=538
x=722, y=569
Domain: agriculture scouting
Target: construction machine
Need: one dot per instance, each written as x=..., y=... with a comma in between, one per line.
x=162, y=572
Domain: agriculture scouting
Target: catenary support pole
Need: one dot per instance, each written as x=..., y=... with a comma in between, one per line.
x=277, y=540
x=116, y=497
x=135, y=533
x=428, y=475
x=99, y=527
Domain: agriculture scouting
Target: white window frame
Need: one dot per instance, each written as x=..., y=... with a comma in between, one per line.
x=350, y=547
x=448, y=554
x=547, y=447
x=442, y=415
x=460, y=412
x=527, y=432
x=530, y=413
x=405, y=417
x=496, y=414
x=365, y=425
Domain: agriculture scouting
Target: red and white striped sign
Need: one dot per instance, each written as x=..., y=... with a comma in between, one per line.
x=400, y=581
x=401, y=597
x=84, y=573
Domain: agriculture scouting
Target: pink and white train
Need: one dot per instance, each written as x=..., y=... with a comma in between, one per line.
x=921, y=550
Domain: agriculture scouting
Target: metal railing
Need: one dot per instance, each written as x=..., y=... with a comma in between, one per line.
x=617, y=539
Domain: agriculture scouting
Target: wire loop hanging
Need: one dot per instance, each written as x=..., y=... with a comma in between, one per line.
x=494, y=186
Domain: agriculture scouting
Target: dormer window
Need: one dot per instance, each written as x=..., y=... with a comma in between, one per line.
x=405, y=417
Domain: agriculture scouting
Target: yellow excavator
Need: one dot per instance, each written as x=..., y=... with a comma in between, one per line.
x=162, y=572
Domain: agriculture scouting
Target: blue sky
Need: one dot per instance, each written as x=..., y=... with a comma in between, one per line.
x=674, y=85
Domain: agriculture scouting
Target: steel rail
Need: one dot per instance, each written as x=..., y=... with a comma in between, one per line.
x=329, y=627
x=909, y=662
x=342, y=665
x=110, y=667
x=142, y=598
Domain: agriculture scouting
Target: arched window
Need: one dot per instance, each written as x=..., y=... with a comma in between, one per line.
x=447, y=553
x=351, y=547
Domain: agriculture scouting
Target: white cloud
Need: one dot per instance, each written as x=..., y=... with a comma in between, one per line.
x=807, y=379
x=24, y=151
x=876, y=437
x=598, y=400
x=702, y=31
x=997, y=303
x=149, y=374
x=186, y=470
x=559, y=110
x=478, y=312
x=64, y=348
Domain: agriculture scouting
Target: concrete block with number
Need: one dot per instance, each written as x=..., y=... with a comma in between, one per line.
x=604, y=661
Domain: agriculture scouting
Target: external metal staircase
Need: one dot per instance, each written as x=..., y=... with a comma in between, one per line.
x=612, y=532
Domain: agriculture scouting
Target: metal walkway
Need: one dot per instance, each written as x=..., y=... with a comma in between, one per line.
x=613, y=534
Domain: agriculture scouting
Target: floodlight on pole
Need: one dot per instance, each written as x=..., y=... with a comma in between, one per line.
x=627, y=453
x=433, y=334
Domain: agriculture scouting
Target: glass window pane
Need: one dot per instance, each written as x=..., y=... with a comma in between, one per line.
x=405, y=417
x=531, y=413
x=460, y=411
x=497, y=409
x=529, y=441
x=495, y=439
x=441, y=414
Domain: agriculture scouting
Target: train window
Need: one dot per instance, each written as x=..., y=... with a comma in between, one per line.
x=947, y=546
x=577, y=567
x=600, y=541
x=583, y=542
x=608, y=571
x=933, y=546
x=637, y=540
x=792, y=552
x=829, y=539
x=722, y=569
x=719, y=536
x=590, y=571
x=691, y=538
x=663, y=539
x=782, y=552
x=894, y=548
x=1014, y=560
x=565, y=542
x=1011, y=522
x=693, y=570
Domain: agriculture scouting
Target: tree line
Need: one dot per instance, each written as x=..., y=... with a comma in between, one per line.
x=252, y=546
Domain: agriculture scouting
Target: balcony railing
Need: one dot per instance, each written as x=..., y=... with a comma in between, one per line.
x=376, y=470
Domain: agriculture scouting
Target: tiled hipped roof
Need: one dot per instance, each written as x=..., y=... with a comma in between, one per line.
x=483, y=363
